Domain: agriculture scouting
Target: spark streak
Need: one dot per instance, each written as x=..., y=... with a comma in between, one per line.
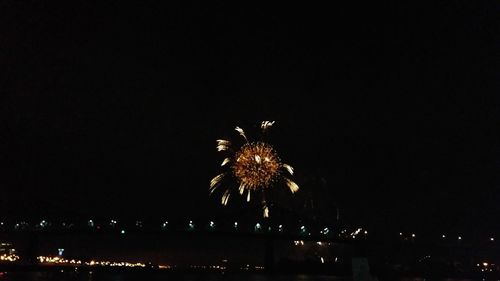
x=288, y=168
x=266, y=125
x=225, y=197
x=226, y=160
x=242, y=133
x=292, y=185
x=216, y=180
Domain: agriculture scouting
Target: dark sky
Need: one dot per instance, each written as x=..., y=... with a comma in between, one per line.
x=115, y=108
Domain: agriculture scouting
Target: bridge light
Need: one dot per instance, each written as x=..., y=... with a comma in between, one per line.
x=325, y=231
x=43, y=223
x=257, y=226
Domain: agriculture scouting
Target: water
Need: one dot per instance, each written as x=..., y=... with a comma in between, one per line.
x=85, y=276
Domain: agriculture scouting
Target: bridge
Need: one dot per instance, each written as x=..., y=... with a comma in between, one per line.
x=356, y=242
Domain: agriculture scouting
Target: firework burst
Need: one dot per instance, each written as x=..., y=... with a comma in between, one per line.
x=253, y=167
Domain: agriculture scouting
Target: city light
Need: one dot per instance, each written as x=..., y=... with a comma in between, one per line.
x=413, y=235
x=9, y=257
x=459, y=237
x=122, y=232
x=59, y=260
x=444, y=236
x=492, y=239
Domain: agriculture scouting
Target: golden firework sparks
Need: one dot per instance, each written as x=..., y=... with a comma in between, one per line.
x=266, y=212
x=292, y=185
x=225, y=197
x=242, y=133
x=226, y=160
x=266, y=124
x=215, y=181
x=255, y=166
x=288, y=168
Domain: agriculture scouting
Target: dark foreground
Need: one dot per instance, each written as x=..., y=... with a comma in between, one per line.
x=107, y=276
x=191, y=276
x=90, y=276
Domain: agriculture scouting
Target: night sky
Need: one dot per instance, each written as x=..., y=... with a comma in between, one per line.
x=113, y=110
